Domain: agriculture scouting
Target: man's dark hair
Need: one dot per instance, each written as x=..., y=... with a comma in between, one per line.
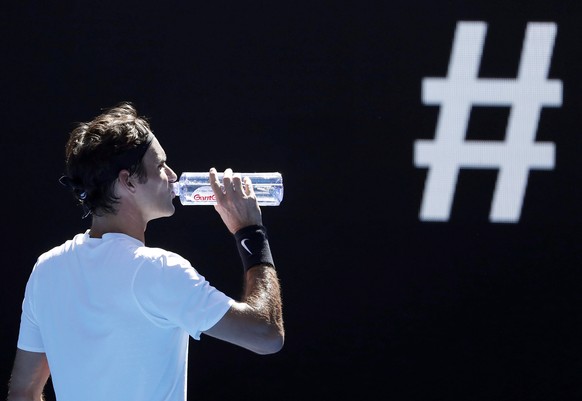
x=98, y=150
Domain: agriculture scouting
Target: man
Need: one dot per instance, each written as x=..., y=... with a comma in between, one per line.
x=109, y=318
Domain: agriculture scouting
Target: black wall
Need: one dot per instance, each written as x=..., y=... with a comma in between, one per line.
x=377, y=301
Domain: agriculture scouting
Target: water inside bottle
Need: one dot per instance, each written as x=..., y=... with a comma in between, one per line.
x=195, y=189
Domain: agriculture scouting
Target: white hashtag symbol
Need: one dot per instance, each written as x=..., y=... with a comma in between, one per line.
x=462, y=89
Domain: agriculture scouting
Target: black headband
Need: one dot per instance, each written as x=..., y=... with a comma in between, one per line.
x=122, y=161
x=131, y=157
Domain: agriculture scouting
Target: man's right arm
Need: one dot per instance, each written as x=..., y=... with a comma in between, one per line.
x=256, y=322
x=29, y=376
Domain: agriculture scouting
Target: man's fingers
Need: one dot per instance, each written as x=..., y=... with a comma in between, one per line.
x=248, y=187
x=231, y=185
x=237, y=184
x=227, y=182
x=215, y=184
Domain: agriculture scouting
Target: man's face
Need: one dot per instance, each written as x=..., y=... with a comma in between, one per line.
x=155, y=196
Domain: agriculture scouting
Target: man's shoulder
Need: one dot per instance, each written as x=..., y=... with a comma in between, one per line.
x=60, y=249
x=161, y=257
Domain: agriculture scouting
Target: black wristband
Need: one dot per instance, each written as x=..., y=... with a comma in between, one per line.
x=253, y=246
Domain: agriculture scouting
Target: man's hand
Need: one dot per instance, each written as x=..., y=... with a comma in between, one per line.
x=236, y=202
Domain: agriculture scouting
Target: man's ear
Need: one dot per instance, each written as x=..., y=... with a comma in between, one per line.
x=126, y=181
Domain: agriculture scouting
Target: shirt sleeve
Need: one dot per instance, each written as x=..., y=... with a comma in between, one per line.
x=29, y=336
x=172, y=293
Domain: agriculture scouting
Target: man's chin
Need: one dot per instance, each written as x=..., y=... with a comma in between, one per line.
x=169, y=211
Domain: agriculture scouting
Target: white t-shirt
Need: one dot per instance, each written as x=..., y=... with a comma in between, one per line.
x=114, y=318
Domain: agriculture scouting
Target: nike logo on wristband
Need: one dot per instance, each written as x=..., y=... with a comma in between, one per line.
x=242, y=243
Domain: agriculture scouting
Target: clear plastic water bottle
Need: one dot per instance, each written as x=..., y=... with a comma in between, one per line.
x=195, y=189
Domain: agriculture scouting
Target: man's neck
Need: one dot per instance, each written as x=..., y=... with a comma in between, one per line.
x=118, y=223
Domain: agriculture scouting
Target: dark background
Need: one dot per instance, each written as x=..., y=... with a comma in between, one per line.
x=378, y=304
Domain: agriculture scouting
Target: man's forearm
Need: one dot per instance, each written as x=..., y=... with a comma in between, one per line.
x=263, y=293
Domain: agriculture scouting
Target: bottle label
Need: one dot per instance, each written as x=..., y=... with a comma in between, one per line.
x=202, y=195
